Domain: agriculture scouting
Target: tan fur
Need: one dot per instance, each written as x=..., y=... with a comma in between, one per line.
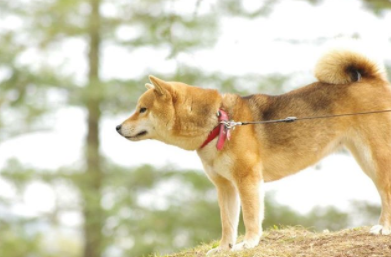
x=333, y=67
x=183, y=115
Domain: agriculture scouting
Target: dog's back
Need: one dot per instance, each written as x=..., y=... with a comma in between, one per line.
x=348, y=82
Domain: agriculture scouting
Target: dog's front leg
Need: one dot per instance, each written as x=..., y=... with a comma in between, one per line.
x=229, y=210
x=252, y=198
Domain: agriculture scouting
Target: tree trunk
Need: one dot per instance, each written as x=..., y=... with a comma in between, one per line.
x=91, y=185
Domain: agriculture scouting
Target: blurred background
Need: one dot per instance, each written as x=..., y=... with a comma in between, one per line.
x=71, y=70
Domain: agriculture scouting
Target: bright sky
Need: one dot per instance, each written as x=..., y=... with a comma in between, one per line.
x=256, y=46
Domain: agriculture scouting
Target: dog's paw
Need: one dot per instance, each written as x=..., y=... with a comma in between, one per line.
x=246, y=244
x=380, y=230
x=213, y=251
x=216, y=250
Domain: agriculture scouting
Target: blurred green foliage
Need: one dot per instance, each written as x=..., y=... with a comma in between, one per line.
x=156, y=210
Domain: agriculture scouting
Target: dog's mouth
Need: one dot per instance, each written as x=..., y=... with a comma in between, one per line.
x=142, y=133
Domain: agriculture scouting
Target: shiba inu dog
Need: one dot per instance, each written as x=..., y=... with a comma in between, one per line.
x=195, y=118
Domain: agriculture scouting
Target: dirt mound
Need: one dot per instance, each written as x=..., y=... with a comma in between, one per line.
x=299, y=242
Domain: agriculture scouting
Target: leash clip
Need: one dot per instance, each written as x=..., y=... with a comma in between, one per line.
x=230, y=124
x=290, y=119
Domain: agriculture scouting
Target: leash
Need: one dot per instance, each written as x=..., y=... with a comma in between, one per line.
x=223, y=130
x=232, y=124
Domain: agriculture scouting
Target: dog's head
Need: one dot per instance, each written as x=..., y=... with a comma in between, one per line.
x=174, y=113
x=154, y=110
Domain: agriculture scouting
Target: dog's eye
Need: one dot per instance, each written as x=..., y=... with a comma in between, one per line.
x=143, y=109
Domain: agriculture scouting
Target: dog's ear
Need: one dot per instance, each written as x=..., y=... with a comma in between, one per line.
x=160, y=86
x=149, y=86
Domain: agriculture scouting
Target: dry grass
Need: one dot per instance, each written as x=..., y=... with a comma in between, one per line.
x=299, y=242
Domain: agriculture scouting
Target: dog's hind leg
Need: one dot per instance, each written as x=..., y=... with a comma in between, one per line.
x=229, y=204
x=384, y=227
x=374, y=156
x=382, y=179
x=383, y=184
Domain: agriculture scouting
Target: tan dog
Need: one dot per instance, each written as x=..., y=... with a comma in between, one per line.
x=348, y=82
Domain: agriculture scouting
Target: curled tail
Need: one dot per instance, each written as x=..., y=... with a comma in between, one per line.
x=345, y=65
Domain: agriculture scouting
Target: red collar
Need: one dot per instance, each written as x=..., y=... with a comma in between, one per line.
x=220, y=131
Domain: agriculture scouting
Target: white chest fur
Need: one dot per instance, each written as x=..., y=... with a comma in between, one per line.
x=216, y=162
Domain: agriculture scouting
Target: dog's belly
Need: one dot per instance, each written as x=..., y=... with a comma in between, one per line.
x=290, y=161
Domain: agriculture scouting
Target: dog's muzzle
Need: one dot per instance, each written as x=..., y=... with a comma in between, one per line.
x=118, y=128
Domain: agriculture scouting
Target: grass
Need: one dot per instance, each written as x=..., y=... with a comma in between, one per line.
x=299, y=242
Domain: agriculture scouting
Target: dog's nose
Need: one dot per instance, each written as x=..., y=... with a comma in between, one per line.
x=118, y=128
